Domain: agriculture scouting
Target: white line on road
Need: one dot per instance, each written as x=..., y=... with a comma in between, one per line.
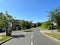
x=32, y=36
x=31, y=43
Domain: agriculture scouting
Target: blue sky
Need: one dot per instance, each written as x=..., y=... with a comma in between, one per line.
x=32, y=10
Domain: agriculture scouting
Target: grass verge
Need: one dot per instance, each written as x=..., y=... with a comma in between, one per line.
x=54, y=35
x=27, y=30
x=4, y=37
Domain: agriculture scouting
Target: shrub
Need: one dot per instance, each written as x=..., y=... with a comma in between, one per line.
x=59, y=29
x=48, y=27
x=43, y=26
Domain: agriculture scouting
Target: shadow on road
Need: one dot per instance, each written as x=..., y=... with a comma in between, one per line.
x=18, y=36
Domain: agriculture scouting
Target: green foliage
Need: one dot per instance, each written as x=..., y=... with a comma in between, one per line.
x=25, y=24
x=22, y=24
x=49, y=27
x=36, y=24
x=46, y=25
x=9, y=20
x=55, y=15
x=43, y=26
x=58, y=29
x=5, y=21
x=9, y=17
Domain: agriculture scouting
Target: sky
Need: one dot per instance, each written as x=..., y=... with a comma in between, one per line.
x=30, y=10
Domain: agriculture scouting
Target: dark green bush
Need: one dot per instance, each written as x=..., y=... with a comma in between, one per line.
x=59, y=29
x=48, y=27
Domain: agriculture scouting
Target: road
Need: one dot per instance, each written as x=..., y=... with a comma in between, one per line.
x=30, y=38
x=40, y=39
x=20, y=38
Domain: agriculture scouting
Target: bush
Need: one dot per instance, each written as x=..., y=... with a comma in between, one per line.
x=49, y=27
x=59, y=29
x=43, y=26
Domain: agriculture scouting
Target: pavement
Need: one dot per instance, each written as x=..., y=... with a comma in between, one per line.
x=30, y=38
x=2, y=33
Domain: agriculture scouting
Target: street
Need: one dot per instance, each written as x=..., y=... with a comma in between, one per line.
x=30, y=38
x=40, y=39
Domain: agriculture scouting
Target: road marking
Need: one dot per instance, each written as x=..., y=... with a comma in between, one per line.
x=32, y=36
x=31, y=43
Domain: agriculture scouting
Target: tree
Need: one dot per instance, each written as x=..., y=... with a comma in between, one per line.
x=9, y=21
x=47, y=25
x=25, y=24
x=29, y=24
x=2, y=21
x=55, y=16
x=22, y=24
x=38, y=24
x=34, y=25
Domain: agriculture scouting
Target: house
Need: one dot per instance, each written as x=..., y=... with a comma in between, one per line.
x=15, y=25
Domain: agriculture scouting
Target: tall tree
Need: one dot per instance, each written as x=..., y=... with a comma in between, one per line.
x=2, y=21
x=22, y=24
x=55, y=15
x=9, y=20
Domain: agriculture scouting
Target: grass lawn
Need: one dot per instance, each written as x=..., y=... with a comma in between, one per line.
x=54, y=35
x=4, y=37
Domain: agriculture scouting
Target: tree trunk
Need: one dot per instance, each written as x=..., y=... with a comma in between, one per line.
x=7, y=32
